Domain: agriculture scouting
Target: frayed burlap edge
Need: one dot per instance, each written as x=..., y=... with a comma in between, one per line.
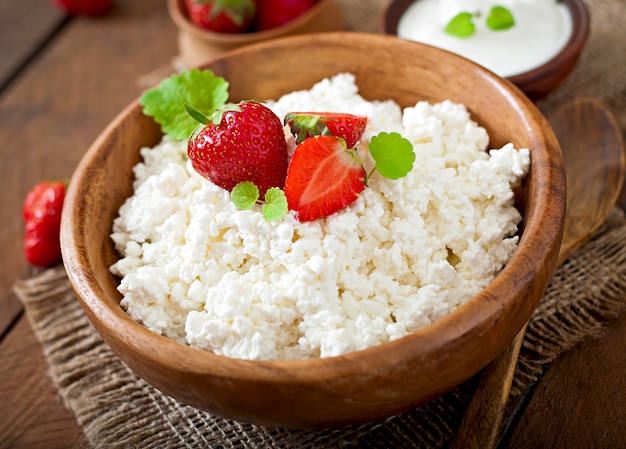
x=117, y=409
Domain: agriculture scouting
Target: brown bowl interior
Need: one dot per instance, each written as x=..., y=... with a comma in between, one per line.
x=360, y=386
x=541, y=81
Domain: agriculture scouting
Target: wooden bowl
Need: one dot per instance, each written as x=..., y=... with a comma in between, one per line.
x=198, y=45
x=540, y=81
x=364, y=385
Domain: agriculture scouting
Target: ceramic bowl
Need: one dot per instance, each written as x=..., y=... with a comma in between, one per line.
x=197, y=45
x=540, y=81
x=361, y=386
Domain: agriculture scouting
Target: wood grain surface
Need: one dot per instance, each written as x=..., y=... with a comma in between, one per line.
x=50, y=114
x=27, y=26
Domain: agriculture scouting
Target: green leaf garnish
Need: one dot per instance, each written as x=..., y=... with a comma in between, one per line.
x=461, y=25
x=393, y=154
x=275, y=204
x=166, y=103
x=244, y=195
x=500, y=18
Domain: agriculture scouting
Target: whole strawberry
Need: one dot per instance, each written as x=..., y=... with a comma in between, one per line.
x=349, y=127
x=222, y=16
x=323, y=178
x=274, y=13
x=91, y=8
x=239, y=143
x=41, y=212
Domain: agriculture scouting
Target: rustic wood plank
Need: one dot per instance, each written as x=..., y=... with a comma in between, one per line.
x=581, y=401
x=31, y=415
x=24, y=26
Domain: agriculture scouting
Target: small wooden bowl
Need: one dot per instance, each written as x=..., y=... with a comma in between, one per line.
x=364, y=385
x=198, y=45
x=540, y=81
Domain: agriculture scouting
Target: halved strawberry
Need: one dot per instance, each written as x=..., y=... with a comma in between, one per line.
x=323, y=177
x=244, y=142
x=349, y=127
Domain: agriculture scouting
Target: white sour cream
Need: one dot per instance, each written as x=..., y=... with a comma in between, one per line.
x=542, y=28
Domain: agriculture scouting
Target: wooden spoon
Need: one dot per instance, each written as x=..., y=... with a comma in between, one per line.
x=595, y=161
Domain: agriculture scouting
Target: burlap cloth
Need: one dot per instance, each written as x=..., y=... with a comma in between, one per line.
x=119, y=410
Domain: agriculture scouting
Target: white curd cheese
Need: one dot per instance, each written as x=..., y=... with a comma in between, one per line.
x=406, y=253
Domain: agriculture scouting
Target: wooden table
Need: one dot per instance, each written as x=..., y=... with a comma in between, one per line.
x=61, y=81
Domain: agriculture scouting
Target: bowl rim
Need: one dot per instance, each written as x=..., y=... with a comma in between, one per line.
x=580, y=31
x=177, y=12
x=454, y=327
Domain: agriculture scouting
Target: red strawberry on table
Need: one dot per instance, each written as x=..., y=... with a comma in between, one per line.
x=274, y=13
x=243, y=142
x=41, y=212
x=85, y=7
x=349, y=127
x=222, y=16
x=323, y=177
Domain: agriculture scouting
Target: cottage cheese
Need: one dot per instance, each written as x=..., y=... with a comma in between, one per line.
x=406, y=253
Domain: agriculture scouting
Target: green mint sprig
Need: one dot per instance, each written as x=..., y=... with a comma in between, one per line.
x=166, y=102
x=462, y=25
x=245, y=195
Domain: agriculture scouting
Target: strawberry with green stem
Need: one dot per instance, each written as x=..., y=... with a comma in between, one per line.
x=242, y=142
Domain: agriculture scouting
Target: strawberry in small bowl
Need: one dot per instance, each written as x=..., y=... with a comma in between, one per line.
x=208, y=28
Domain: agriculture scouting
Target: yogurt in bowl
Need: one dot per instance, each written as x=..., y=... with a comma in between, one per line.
x=541, y=30
x=535, y=44
x=406, y=253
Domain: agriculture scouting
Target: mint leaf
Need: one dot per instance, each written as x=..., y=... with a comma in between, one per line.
x=275, y=204
x=461, y=25
x=201, y=89
x=393, y=154
x=500, y=18
x=244, y=195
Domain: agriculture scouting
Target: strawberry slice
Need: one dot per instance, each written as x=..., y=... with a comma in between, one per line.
x=349, y=127
x=323, y=177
